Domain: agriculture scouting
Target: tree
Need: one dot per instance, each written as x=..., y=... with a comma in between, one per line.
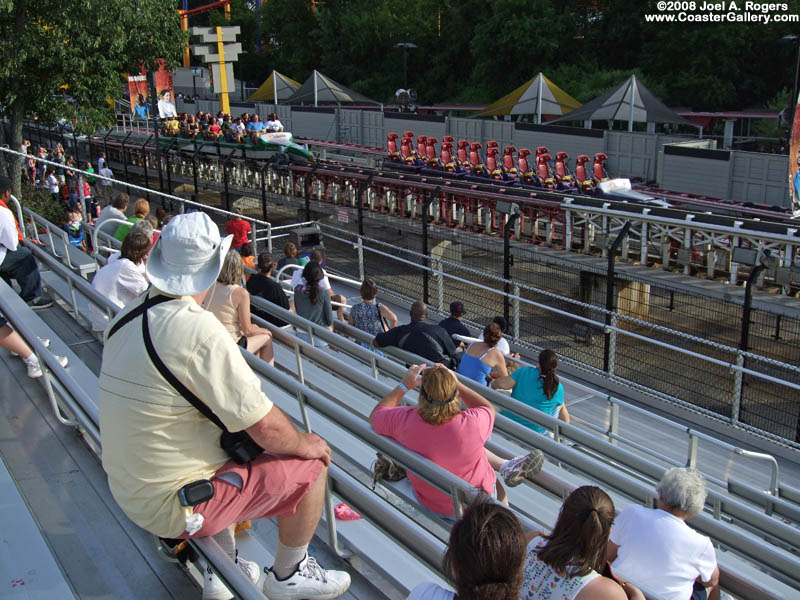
x=66, y=59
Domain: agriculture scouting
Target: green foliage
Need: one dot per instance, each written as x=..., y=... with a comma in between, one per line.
x=40, y=201
x=771, y=127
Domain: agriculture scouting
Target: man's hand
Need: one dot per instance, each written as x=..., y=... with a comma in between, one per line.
x=315, y=447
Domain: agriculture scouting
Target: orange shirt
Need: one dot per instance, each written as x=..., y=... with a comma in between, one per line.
x=19, y=231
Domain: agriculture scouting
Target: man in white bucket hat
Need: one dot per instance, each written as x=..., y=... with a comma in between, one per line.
x=166, y=468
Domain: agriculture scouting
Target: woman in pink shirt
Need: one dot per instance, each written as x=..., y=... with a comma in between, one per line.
x=452, y=438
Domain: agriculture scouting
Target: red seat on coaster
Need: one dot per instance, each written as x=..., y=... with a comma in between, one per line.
x=430, y=152
x=475, y=162
x=599, y=172
x=581, y=173
x=543, y=170
x=391, y=146
x=525, y=171
x=446, y=155
x=406, y=150
x=562, y=173
x=491, y=163
x=463, y=153
x=421, y=142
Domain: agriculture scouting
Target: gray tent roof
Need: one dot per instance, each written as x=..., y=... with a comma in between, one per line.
x=327, y=91
x=616, y=105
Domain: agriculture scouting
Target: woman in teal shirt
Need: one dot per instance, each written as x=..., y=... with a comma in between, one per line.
x=536, y=387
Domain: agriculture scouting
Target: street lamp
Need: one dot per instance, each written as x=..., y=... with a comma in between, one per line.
x=405, y=46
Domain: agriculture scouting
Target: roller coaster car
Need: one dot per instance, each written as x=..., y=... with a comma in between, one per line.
x=283, y=142
x=391, y=147
x=585, y=183
x=421, y=143
x=408, y=158
x=496, y=171
x=526, y=174
x=564, y=178
x=546, y=180
x=449, y=163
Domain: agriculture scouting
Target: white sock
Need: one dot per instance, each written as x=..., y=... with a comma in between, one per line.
x=32, y=359
x=287, y=558
x=227, y=541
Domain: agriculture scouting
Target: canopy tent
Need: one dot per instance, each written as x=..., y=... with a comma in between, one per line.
x=630, y=101
x=538, y=96
x=321, y=89
x=277, y=87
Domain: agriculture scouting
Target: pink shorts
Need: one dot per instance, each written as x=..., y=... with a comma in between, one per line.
x=271, y=486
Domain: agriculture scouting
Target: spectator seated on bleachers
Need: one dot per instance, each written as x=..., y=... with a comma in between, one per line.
x=311, y=301
x=423, y=339
x=482, y=360
x=369, y=315
x=658, y=548
x=141, y=208
x=16, y=261
x=453, y=324
x=570, y=562
x=325, y=284
x=157, y=442
x=123, y=279
x=262, y=284
x=230, y=303
x=248, y=258
x=538, y=387
x=484, y=557
x=440, y=431
x=289, y=257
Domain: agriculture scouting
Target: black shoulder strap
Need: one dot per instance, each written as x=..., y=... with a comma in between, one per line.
x=141, y=310
x=174, y=381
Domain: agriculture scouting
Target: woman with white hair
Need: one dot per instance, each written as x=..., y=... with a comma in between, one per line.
x=659, y=550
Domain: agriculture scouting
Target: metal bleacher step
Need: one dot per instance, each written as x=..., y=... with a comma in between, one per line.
x=27, y=566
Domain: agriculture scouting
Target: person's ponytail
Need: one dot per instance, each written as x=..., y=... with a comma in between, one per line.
x=548, y=363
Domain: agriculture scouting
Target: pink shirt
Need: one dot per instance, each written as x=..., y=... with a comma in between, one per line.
x=456, y=446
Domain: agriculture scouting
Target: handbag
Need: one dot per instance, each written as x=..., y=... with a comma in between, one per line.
x=238, y=444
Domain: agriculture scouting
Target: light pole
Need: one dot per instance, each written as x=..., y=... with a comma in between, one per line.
x=405, y=46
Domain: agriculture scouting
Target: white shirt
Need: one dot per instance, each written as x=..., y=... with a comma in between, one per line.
x=166, y=109
x=430, y=591
x=238, y=128
x=109, y=212
x=9, y=238
x=297, y=279
x=106, y=172
x=502, y=345
x=657, y=550
x=120, y=281
x=101, y=163
x=52, y=182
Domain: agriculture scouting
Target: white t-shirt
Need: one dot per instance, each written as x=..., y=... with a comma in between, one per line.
x=9, y=238
x=430, y=591
x=502, y=345
x=297, y=279
x=120, y=281
x=659, y=551
x=52, y=182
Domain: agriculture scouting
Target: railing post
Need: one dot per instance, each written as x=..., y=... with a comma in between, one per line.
x=691, y=459
x=439, y=269
x=611, y=347
x=426, y=263
x=515, y=333
x=507, y=258
x=613, y=422
x=736, y=402
x=125, y=162
x=360, y=248
x=263, y=172
x=144, y=165
x=612, y=257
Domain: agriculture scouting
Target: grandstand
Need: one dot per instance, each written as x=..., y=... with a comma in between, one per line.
x=67, y=537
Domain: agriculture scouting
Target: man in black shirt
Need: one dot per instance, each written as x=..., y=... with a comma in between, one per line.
x=453, y=324
x=261, y=284
x=426, y=340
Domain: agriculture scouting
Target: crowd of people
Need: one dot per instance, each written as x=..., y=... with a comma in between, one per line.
x=220, y=127
x=164, y=404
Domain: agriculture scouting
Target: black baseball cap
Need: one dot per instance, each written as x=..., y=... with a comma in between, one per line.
x=457, y=309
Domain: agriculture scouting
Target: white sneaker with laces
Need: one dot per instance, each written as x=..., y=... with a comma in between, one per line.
x=214, y=589
x=45, y=343
x=309, y=582
x=35, y=369
x=514, y=470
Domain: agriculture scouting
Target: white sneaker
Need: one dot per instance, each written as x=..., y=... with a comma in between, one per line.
x=514, y=470
x=310, y=582
x=35, y=369
x=45, y=343
x=214, y=589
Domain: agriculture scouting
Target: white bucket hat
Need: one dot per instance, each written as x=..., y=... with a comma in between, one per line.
x=188, y=255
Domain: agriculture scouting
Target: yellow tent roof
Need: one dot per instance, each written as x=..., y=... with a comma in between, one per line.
x=276, y=83
x=538, y=96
